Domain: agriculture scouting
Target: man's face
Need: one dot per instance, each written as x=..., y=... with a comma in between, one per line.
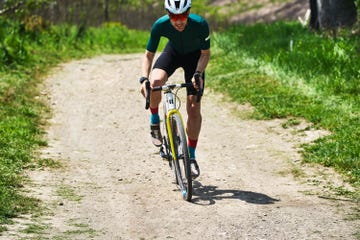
x=179, y=21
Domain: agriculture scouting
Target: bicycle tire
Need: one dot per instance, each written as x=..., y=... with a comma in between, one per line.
x=182, y=161
x=170, y=158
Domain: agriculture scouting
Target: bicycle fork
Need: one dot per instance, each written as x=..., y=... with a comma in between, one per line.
x=170, y=131
x=169, y=110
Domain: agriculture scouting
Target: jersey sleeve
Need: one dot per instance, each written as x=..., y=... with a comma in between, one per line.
x=205, y=36
x=154, y=39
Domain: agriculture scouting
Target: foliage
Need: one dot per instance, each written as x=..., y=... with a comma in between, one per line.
x=284, y=70
x=138, y=14
x=12, y=47
x=19, y=9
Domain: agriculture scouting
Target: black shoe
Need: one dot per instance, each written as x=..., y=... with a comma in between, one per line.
x=195, y=170
x=156, y=137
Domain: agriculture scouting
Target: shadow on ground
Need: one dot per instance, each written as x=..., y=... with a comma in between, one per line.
x=208, y=195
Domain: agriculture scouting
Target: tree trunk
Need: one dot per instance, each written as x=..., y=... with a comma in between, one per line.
x=314, y=19
x=106, y=11
x=332, y=14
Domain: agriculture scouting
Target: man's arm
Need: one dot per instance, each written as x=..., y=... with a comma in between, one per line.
x=201, y=66
x=203, y=60
x=147, y=63
x=145, y=68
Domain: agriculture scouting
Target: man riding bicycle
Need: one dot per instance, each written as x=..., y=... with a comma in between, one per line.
x=188, y=47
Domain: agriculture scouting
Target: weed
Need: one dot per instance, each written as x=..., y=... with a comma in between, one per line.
x=68, y=193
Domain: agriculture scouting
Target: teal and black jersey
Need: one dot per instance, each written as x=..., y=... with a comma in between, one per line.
x=196, y=35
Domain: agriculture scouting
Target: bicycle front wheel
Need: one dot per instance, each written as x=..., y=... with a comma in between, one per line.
x=181, y=162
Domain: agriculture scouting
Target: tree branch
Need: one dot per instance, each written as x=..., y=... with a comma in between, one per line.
x=12, y=9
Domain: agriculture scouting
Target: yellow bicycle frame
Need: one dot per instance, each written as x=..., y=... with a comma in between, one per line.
x=169, y=130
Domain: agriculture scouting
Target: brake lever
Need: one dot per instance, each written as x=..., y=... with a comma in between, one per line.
x=147, y=101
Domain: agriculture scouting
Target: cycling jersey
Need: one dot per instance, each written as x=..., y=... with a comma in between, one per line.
x=196, y=35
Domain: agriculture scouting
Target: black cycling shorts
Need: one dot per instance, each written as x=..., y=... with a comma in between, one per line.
x=169, y=60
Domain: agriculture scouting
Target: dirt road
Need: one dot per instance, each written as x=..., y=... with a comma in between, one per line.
x=114, y=185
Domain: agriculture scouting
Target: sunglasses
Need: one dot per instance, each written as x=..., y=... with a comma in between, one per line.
x=181, y=17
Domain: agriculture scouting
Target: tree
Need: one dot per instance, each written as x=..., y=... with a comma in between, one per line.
x=314, y=21
x=19, y=8
x=106, y=11
x=332, y=14
x=10, y=7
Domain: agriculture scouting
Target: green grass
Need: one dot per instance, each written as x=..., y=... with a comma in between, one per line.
x=25, y=58
x=284, y=70
x=68, y=193
x=20, y=135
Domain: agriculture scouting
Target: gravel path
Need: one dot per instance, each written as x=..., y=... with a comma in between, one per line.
x=114, y=185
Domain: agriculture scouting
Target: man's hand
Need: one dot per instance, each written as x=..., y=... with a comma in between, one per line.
x=197, y=78
x=143, y=81
x=143, y=89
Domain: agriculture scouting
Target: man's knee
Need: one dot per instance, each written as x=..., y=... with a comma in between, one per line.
x=157, y=82
x=158, y=77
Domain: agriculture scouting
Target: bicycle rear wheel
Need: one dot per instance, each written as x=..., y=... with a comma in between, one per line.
x=182, y=161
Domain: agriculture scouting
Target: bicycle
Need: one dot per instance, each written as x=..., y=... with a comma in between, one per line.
x=174, y=147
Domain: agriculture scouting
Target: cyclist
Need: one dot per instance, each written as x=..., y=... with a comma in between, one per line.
x=188, y=47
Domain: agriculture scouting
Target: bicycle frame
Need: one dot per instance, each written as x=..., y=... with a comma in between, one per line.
x=170, y=110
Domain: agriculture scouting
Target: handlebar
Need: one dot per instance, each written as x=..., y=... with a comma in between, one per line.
x=171, y=86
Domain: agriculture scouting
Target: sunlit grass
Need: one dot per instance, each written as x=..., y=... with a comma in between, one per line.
x=25, y=58
x=284, y=70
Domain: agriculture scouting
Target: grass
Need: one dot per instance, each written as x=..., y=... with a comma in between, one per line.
x=35, y=229
x=20, y=135
x=68, y=193
x=78, y=228
x=25, y=59
x=284, y=70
